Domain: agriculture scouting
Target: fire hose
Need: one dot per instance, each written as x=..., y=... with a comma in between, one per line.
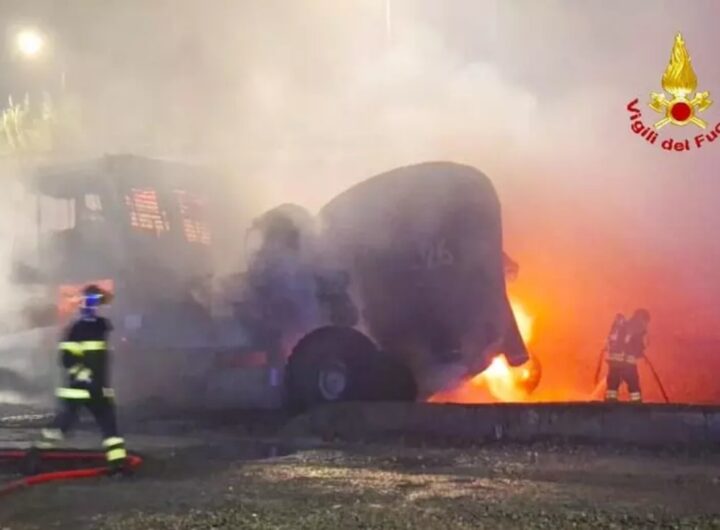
x=31, y=457
x=657, y=380
x=650, y=366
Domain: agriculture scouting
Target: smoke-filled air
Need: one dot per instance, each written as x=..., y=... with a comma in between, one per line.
x=294, y=102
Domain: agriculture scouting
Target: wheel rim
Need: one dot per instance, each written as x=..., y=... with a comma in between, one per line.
x=332, y=381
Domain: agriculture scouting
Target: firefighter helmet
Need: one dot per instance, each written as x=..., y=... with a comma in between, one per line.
x=642, y=315
x=93, y=297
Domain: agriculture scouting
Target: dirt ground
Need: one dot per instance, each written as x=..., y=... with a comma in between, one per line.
x=224, y=478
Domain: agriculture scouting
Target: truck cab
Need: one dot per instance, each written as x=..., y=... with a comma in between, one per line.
x=122, y=218
x=145, y=230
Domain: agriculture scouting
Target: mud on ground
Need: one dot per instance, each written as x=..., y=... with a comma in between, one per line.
x=200, y=478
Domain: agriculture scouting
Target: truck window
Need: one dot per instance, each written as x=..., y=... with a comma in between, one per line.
x=145, y=211
x=182, y=212
x=193, y=212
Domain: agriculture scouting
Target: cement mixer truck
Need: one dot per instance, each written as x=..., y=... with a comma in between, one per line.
x=393, y=291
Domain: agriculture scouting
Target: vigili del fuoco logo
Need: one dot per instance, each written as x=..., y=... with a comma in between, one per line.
x=679, y=104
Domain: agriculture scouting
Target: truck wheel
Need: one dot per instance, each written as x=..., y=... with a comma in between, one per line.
x=332, y=364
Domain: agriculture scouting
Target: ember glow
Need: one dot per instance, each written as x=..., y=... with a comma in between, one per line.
x=500, y=381
x=523, y=319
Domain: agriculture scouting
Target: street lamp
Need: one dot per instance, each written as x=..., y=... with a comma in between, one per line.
x=30, y=42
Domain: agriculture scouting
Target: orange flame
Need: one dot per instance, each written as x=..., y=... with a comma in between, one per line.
x=500, y=381
x=523, y=319
x=505, y=382
x=499, y=378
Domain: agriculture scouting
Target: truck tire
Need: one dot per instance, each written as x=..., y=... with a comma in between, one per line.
x=336, y=363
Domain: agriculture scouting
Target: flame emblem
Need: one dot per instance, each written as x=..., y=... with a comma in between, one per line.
x=680, y=81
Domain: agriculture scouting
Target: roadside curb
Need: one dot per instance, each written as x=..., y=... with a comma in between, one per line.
x=646, y=425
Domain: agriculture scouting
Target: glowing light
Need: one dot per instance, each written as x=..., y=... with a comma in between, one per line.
x=30, y=42
x=505, y=382
x=523, y=319
x=500, y=381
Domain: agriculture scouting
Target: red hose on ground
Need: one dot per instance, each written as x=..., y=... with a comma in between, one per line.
x=132, y=463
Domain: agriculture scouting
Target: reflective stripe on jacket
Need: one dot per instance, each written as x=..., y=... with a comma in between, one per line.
x=79, y=348
x=82, y=393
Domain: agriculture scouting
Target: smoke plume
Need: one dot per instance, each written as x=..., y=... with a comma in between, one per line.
x=296, y=101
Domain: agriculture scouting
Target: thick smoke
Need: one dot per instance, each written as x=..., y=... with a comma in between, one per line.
x=20, y=305
x=295, y=101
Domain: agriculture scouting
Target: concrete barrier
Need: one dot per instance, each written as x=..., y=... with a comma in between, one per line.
x=647, y=424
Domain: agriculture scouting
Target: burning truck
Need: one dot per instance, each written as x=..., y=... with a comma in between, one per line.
x=394, y=291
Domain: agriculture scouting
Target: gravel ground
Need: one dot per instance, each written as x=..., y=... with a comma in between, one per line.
x=213, y=485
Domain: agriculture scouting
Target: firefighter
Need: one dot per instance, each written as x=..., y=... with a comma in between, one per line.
x=614, y=357
x=626, y=346
x=84, y=357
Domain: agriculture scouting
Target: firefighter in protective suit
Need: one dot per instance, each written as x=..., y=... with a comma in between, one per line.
x=626, y=346
x=84, y=357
